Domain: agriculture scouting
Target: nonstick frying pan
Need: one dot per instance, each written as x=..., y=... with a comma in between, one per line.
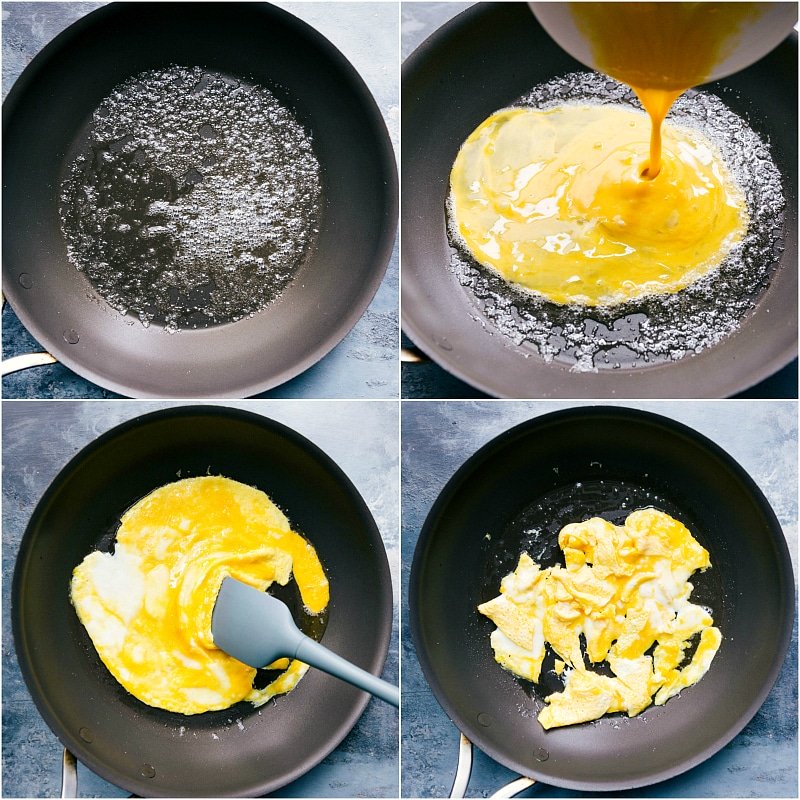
x=45, y=117
x=149, y=751
x=515, y=494
x=486, y=58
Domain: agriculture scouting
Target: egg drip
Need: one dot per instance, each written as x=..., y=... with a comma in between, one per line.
x=148, y=606
x=653, y=328
x=661, y=50
x=624, y=591
x=194, y=199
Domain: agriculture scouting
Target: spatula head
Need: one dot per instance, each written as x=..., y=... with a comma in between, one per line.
x=251, y=626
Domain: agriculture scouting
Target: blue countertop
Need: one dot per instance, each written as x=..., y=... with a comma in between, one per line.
x=364, y=364
x=438, y=437
x=38, y=440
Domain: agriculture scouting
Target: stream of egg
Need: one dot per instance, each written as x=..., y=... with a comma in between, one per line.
x=661, y=53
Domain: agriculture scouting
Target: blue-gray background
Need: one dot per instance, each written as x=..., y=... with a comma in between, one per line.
x=437, y=437
x=364, y=364
x=40, y=437
x=427, y=380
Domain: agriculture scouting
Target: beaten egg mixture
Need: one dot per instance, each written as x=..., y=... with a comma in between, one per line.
x=555, y=201
x=148, y=607
x=662, y=49
x=598, y=205
x=625, y=588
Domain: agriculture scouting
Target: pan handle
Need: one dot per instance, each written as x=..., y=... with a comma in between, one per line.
x=17, y=363
x=69, y=775
x=464, y=769
x=413, y=355
x=514, y=788
x=24, y=361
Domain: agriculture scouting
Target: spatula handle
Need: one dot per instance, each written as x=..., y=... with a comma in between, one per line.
x=316, y=655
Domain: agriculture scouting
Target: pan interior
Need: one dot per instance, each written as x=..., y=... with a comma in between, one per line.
x=656, y=329
x=518, y=491
x=192, y=199
x=534, y=530
x=241, y=750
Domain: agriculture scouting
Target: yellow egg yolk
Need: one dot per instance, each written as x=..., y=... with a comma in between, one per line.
x=554, y=200
x=625, y=589
x=148, y=607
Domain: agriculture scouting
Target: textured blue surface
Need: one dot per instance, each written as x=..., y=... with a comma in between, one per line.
x=364, y=364
x=38, y=440
x=438, y=437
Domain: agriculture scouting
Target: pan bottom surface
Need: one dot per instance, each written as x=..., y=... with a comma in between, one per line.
x=193, y=198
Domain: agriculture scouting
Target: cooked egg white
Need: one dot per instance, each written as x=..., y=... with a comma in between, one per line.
x=148, y=607
x=556, y=201
x=625, y=589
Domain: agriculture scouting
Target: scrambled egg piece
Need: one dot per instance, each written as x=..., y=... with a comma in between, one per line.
x=148, y=607
x=556, y=202
x=625, y=589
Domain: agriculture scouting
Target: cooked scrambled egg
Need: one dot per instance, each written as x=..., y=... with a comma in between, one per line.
x=625, y=588
x=148, y=607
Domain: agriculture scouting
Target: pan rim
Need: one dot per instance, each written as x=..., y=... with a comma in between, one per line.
x=690, y=377
x=20, y=635
x=471, y=466
x=342, y=324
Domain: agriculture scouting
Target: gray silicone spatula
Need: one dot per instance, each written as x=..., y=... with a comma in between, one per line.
x=257, y=629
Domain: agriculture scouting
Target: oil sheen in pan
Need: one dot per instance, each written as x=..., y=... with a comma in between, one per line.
x=656, y=329
x=193, y=199
x=535, y=530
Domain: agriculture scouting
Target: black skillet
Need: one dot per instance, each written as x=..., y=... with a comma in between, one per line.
x=149, y=751
x=44, y=119
x=486, y=58
x=515, y=494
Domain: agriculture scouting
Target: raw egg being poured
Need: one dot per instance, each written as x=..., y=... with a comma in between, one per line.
x=596, y=205
x=661, y=49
